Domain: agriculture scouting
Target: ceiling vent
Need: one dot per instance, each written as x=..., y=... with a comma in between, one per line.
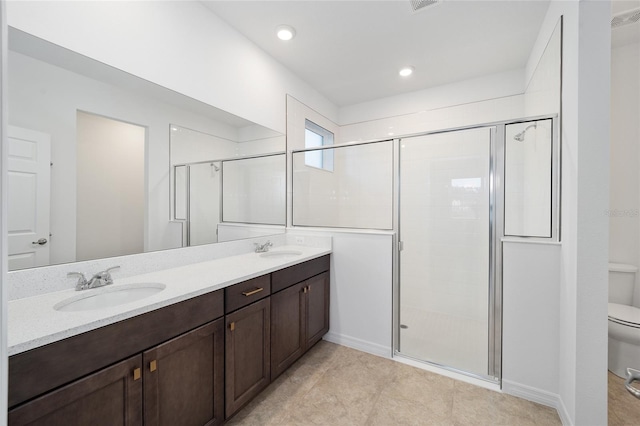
x=625, y=18
x=417, y=5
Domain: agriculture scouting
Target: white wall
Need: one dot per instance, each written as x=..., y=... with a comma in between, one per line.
x=494, y=86
x=439, y=118
x=530, y=316
x=180, y=45
x=542, y=95
x=585, y=178
x=624, y=201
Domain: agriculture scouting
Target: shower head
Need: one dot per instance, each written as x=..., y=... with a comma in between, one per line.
x=520, y=136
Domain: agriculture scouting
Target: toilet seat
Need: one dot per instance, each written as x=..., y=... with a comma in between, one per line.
x=624, y=314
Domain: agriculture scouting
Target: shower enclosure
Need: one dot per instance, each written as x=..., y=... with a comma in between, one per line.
x=460, y=193
x=450, y=197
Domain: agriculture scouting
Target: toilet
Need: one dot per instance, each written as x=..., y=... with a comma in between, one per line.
x=624, y=320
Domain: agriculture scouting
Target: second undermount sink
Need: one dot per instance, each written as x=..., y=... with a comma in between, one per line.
x=107, y=297
x=278, y=254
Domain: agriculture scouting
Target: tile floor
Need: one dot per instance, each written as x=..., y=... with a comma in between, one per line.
x=624, y=408
x=335, y=385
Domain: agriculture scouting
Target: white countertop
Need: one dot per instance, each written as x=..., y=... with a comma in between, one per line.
x=33, y=321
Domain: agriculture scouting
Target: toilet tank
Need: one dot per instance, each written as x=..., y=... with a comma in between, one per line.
x=622, y=280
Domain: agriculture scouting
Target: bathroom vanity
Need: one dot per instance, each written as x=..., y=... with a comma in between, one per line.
x=194, y=361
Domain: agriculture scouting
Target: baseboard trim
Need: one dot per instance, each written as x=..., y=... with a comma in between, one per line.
x=361, y=345
x=539, y=396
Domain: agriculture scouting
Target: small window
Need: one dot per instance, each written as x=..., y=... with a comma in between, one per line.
x=316, y=137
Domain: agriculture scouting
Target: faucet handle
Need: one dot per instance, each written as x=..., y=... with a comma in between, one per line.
x=261, y=248
x=82, y=280
x=108, y=270
x=106, y=275
x=77, y=274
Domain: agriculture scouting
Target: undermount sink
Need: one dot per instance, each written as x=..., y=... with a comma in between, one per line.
x=107, y=297
x=281, y=253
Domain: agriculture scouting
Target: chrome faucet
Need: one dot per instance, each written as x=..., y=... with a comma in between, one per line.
x=100, y=279
x=263, y=248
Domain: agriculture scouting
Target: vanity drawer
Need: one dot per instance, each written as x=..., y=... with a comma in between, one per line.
x=297, y=273
x=246, y=292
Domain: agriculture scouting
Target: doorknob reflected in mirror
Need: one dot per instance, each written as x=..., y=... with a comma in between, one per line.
x=41, y=241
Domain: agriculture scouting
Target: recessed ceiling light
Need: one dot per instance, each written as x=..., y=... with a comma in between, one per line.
x=406, y=71
x=285, y=32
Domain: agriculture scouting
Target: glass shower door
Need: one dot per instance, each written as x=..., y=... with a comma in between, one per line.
x=445, y=261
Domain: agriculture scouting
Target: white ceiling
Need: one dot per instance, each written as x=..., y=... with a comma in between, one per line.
x=351, y=51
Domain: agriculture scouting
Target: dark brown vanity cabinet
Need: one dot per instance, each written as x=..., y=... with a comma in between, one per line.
x=299, y=312
x=110, y=397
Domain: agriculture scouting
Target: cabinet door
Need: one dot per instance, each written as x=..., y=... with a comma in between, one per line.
x=247, y=354
x=184, y=379
x=287, y=328
x=112, y=396
x=317, y=309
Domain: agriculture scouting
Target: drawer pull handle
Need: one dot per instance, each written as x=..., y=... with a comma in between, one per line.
x=304, y=289
x=252, y=292
x=153, y=365
x=137, y=373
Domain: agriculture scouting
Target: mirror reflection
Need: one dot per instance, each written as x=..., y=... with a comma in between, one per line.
x=211, y=194
x=91, y=155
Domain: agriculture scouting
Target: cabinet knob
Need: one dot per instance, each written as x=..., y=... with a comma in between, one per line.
x=153, y=365
x=137, y=373
x=232, y=326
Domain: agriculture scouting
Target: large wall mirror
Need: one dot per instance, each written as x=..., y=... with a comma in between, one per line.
x=95, y=158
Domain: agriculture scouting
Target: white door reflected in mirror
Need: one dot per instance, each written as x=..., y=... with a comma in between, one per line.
x=28, y=198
